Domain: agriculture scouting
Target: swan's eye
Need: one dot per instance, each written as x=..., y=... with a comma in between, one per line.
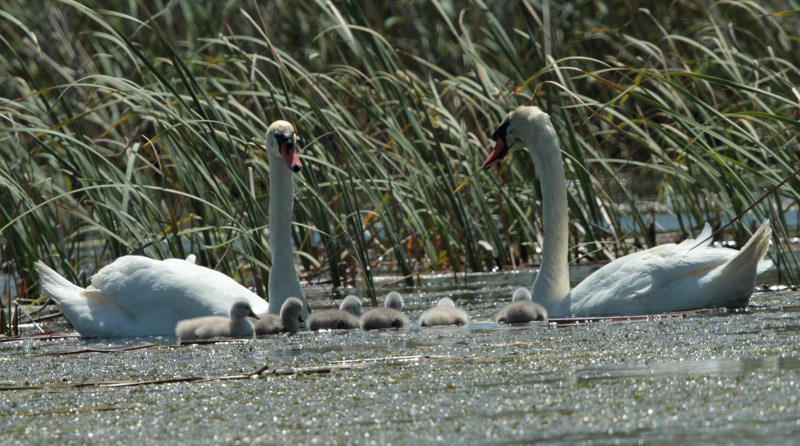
x=286, y=139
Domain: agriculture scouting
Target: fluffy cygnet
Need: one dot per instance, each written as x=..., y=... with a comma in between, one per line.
x=237, y=325
x=290, y=320
x=444, y=313
x=521, y=310
x=345, y=318
x=389, y=317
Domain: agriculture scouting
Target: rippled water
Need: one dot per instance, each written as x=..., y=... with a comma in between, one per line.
x=707, y=379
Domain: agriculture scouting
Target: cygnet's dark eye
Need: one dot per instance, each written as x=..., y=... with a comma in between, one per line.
x=500, y=132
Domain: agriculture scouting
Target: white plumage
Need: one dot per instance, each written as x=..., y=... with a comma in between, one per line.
x=670, y=277
x=138, y=296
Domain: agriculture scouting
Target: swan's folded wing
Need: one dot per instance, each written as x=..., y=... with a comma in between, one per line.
x=702, y=240
x=177, y=287
x=648, y=281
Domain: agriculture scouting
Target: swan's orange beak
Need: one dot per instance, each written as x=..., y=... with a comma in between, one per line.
x=500, y=150
x=287, y=148
x=290, y=156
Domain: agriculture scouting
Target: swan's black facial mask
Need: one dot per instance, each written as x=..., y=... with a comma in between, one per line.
x=287, y=145
x=501, y=148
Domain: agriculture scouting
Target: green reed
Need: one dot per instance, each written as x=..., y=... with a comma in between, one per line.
x=131, y=129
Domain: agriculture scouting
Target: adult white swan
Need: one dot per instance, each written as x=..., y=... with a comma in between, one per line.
x=139, y=296
x=669, y=277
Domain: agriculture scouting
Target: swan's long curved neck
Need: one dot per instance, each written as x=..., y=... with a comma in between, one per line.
x=283, y=280
x=551, y=286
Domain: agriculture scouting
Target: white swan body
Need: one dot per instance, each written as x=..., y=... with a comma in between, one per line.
x=236, y=325
x=670, y=277
x=138, y=296
x=290, y=320
x=390, y=316
x=444, y=313
x=345, y=318
x=673, y=277
x=521, y=310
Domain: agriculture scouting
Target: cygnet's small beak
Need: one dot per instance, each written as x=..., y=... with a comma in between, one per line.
x=253, y=315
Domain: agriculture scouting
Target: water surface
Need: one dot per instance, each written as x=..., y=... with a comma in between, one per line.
x=727, y=377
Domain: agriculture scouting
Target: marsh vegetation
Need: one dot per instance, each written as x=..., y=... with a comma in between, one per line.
x=136, y=127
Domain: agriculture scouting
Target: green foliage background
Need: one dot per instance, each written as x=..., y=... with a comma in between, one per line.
x=136, y=126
